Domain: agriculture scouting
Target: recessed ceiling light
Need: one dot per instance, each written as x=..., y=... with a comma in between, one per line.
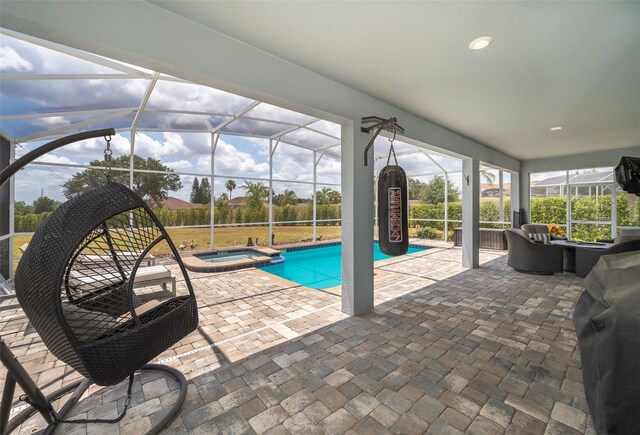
x=556, y=128
x=480, y=43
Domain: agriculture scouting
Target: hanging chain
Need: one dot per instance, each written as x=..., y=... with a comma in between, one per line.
x=107, y=157
x=391, y=149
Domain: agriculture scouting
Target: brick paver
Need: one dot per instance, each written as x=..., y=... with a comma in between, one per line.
x=446, y=350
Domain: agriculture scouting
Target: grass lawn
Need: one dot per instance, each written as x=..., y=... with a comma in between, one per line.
x=226, y=236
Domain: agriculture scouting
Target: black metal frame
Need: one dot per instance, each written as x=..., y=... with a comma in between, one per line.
x=17, y=375
x=390, y=124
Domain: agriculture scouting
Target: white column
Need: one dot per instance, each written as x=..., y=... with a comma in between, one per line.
x=515, y=194
x=470, y=213
x=315, y=200
x=357, y=222
x=501, y=200
x=446, y=207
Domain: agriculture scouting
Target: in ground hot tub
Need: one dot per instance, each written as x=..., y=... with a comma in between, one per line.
x=232, y=259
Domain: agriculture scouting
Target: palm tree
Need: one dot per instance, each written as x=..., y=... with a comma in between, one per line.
x=288, y=197
x=488, y=176
x=256, y=194
x=322, y=196
x=230, y=185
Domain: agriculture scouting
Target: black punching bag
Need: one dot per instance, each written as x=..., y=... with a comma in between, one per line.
x=393, y=219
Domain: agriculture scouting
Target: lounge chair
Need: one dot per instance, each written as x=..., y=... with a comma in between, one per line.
x=149, y=259
x=529, y=257
x=145, y=277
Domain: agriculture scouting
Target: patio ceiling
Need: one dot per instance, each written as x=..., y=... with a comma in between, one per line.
x=570, y=64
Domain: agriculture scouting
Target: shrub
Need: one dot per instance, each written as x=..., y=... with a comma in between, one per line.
x=428, y=233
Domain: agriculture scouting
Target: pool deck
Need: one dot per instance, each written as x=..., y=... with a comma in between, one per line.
x=445, y=350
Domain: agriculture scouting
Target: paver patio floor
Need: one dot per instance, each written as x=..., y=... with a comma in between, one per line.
x=446, y=350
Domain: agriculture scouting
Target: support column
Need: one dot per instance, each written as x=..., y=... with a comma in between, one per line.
x=6, y=245
x=525, y=193
x=357, y=222
x=446, y=207
x=515, y=195
x=501, y=196
x=470, y=213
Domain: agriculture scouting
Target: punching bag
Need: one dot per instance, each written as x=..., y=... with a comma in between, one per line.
x=393, y=218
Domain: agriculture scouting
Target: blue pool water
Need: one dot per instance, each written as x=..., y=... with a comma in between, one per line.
x=319, y=268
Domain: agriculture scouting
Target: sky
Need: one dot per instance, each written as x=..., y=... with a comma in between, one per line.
x=102, y=102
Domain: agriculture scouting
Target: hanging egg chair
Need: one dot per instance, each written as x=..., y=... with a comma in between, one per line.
x=75, y=283
x=84, y=286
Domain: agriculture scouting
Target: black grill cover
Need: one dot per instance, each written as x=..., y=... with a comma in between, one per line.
x=393, y=219
x=607, y=321
x=628, y=174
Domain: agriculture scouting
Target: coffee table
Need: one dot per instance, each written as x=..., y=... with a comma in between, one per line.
x=569, y=248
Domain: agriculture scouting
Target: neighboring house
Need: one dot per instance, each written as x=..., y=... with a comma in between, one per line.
x=490, y=190
x=173, y=203
x=592, y=183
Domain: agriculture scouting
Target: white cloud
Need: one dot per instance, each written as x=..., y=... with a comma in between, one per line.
x=180, y=165
x=52, y=122
x=10, y=60
x=231, y=161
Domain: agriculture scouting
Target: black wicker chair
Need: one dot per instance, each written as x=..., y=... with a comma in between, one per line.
x=86, y=313
x=586, y=258
x=528, y=257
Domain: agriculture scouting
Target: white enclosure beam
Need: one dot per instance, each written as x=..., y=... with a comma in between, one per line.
x=63, y=114
x=80, y=54
x=13, y=77
x=315, y=194
x=357, y=221
x=75, y=125
x=271, y=151
x=145, y=100
x=214, y=145
x=470, y=213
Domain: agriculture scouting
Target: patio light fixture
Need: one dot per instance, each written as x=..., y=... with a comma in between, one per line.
x=481, y=43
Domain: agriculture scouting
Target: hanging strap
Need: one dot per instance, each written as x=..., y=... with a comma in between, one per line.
x=56, y=420
x=391, y=150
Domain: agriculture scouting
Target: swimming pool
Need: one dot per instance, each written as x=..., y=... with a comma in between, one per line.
x=321, y=267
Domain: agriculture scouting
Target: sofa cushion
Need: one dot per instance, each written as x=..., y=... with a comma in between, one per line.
x=625, y=238
x=540, y=237
x=535, y=228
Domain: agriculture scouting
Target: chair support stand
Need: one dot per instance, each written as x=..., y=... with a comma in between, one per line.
x=17, y=375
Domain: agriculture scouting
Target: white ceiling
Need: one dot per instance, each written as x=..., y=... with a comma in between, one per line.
x=574, y=64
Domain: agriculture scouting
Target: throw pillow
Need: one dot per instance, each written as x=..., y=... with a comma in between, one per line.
x=544, y=238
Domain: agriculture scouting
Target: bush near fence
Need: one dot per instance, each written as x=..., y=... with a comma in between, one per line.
x=549, y=210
